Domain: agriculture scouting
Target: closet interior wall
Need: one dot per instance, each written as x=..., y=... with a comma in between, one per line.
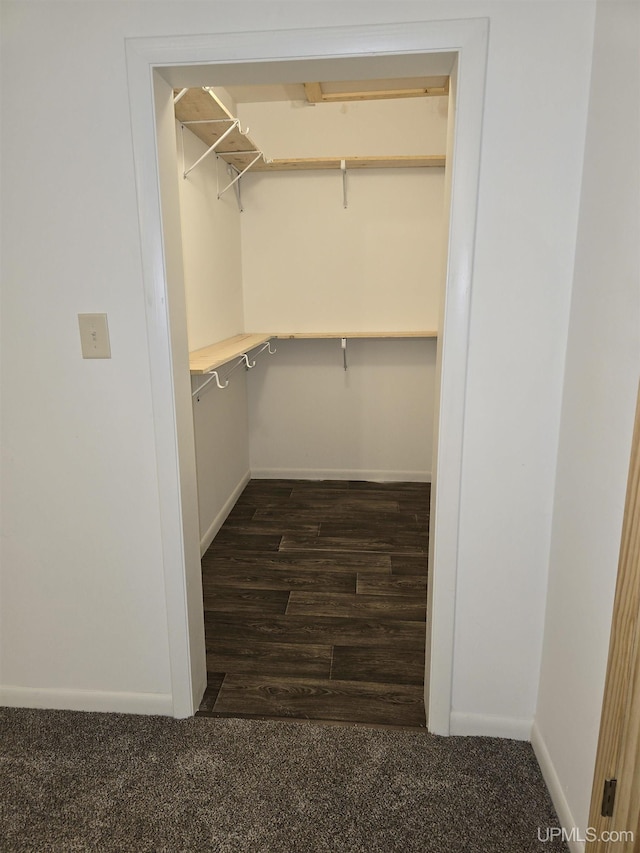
x=213, y=290
x=295, y=260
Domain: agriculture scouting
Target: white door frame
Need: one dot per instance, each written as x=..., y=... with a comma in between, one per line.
x=170, y=384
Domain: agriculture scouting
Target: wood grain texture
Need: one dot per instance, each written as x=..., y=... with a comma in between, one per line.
x=336, y=92
x=334, y=630
x=375, y=523
x=331, y=700
x=248, y=541
x=284, y=578
x=381, y=664
x=384, y=94
x=209, y=358
x=394, y=607
x=282, y=659
x=375, y=583
x=618, y=755
x=301, y=561
x=327, y=630
x=266, y=486
x=327, y=505
x=403, y=532
x=229, y=600
x=380, y=543
x=313, y=92
x=401, y=161
x=408, y=564
x=424, y=333
x=273, y=527
x=341, y=509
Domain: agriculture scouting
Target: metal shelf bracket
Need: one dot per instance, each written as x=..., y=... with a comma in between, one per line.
x=234, y=123
x=239, y=175
x=343, y=169
x=243, y=358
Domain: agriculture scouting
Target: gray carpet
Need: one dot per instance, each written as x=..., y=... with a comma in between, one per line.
x=108, y=782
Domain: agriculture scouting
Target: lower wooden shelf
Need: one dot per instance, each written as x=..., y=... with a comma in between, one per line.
x=209, y=358
x=338, y=335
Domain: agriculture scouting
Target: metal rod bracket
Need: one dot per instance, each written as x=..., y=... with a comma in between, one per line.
x=343, y=169
x=243, y=358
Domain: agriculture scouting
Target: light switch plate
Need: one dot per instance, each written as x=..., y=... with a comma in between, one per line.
x=94, y=335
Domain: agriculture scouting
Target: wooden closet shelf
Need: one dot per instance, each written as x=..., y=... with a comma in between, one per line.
x=301, y=164
x=338, y=335
x=209, y=358
x=198, y=105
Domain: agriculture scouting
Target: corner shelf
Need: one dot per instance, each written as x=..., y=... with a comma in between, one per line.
x=209, y=358
x=207, y=117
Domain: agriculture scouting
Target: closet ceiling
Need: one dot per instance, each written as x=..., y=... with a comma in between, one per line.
x=195, y=108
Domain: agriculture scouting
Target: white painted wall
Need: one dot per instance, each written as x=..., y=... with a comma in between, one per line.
x=310, y=418
x=601, y=381
x=308, y=263
x=82, y=587
x=213, y=289
x=311, y=265
x=355, y=129
x=220, y=422
x=210, y=246
x=530, y=177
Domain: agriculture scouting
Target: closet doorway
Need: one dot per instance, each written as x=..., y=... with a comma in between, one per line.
x=332, y=244
x=185, y=648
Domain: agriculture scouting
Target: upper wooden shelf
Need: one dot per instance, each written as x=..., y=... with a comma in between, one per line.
x=238, y=149
x=426, y=87
x=209, y=358
x=418, y=161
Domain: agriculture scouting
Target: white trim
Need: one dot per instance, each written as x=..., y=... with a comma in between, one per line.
x=143, y=126
x=453, y=342
x=488, y=725
x=341, y=474
x=552, y=780
x=221, y=517
x=182, y=59
x=86, y=700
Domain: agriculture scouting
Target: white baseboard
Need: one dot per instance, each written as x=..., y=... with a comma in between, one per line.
x=341, y=474
x=86, y=700
x=221, y=517
x=487, y=725
x=554, y=785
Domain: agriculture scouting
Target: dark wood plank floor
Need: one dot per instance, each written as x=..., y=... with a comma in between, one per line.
x=315, y=600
